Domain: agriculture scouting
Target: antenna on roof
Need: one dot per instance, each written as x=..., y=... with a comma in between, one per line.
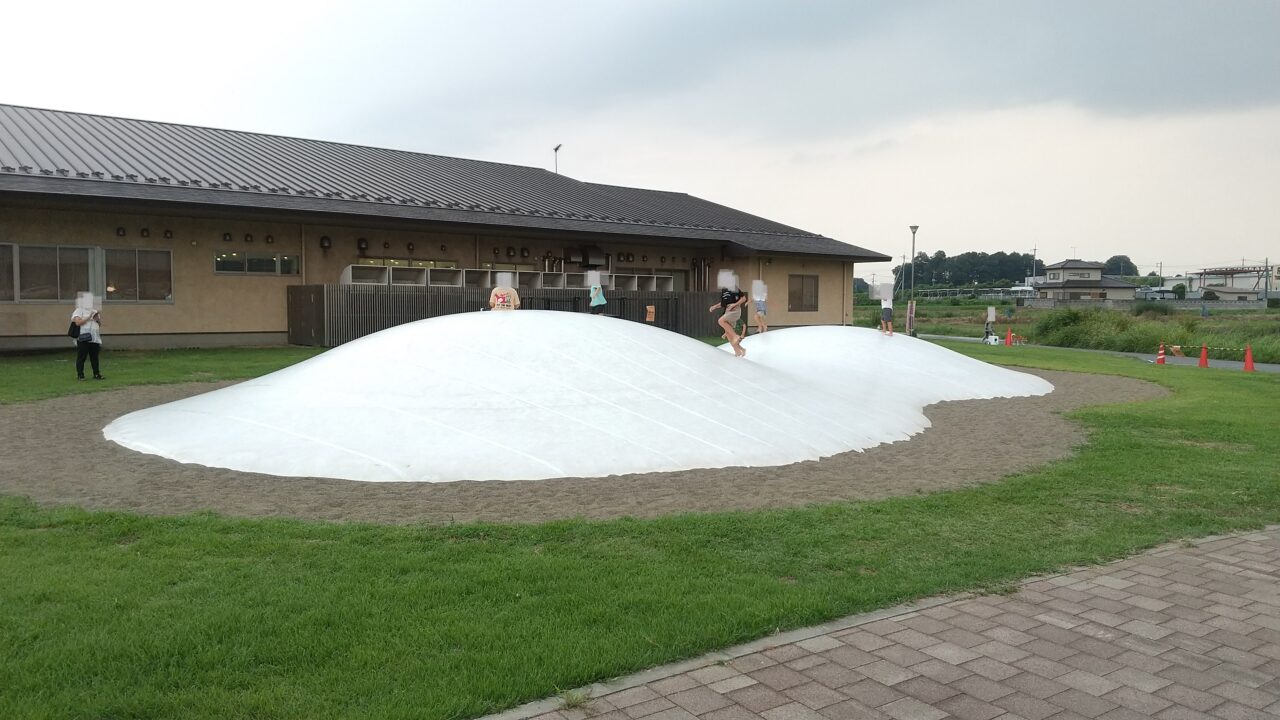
x=556, y=151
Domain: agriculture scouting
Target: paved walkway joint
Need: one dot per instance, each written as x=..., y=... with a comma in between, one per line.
x=1188, y=630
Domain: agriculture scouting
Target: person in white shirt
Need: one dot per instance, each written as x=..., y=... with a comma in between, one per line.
x=89, y=343
x=886, y=316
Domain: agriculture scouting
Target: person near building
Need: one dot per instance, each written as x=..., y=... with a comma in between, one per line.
x=89, y=340
x=886, y=315
x=598, y=301
x=731, y=302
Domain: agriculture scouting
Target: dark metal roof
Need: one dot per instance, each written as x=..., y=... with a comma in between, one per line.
x=64, y=153
x=1076, y=264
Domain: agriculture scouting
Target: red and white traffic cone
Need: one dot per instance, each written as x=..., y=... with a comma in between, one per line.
x=1248, y=358
x=1008, y=337
x=1160, y=355
x=1204, y=356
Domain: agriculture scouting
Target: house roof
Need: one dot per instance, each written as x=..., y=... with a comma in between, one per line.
x=66, y=153
x=1074, y=264
x=1105, y=282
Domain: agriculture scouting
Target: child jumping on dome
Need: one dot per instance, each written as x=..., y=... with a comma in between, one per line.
x=731, y=301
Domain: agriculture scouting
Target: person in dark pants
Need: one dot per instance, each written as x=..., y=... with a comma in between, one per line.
x=89, y=343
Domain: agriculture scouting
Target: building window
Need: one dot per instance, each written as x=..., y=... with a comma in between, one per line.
x=1081, y=275
x=139, y=275
x=802, y=293
x=48, y=273
x=261, y=265
x=234, y=263
x=155, y=275
x=56, y=273
x=7, y=274
x=1053, y=276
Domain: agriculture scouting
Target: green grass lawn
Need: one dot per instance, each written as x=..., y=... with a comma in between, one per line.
x=112, y=615
x=46, y=375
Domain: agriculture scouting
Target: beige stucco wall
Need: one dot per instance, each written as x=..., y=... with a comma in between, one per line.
x=202, y=300
x=835, y=288
x=208, y=302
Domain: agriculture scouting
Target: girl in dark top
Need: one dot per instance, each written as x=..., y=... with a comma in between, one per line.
x=731, y=301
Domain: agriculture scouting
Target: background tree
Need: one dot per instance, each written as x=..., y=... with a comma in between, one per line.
x=963, y=270
x=1180, y=291
x=1208, y=295
x=1120, y=265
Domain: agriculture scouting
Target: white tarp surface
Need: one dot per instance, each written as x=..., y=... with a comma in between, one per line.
x=538, y=394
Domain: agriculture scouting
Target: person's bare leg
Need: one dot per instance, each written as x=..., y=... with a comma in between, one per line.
x=732, y=337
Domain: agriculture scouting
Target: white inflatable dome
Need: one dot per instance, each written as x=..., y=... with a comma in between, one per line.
x=529, y=395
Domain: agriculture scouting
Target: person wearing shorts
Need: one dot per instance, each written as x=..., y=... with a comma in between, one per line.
x=731, y=301
x=886, y=316
x=761, y=324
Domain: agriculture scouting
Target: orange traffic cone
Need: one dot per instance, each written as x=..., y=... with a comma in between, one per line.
x=1248, y=358
x=1204, y=356
x=1160, y=355
x=1008, y=337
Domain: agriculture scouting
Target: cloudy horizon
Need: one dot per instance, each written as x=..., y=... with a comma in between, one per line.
x=1079, y=129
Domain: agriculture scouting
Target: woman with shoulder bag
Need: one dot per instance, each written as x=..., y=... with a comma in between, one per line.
x=89, y=341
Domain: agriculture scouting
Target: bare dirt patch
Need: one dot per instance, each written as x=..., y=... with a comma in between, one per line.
x=54, y=453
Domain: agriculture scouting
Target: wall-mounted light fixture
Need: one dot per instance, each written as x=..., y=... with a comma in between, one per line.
x=663, y=259
x=644, y=258
x=168, y=234
x=497, y=252
x=326, y=242
x=268, y=239
x=120, y=232
x=144, y=232
x=443, y=248
x=631, y=257
x=524, y=252
x=226, y=237
x=511, y=251
x=410, y=247
x=362, y=243
x=248, y=237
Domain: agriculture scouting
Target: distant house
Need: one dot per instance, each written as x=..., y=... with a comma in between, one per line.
x=1082, y=280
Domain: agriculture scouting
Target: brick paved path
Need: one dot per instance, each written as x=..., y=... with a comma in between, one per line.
x=1190, y=630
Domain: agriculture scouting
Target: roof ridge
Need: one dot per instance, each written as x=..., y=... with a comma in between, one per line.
x=283, y=137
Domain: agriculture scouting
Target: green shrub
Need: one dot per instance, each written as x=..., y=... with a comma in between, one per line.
x=1273, y=302
x=1208, y=295
x=1151, y=309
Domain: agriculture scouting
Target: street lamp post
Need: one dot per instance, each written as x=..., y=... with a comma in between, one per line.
x=911, y=323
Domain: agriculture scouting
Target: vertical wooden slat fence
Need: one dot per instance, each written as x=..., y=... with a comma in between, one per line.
x=330, y=315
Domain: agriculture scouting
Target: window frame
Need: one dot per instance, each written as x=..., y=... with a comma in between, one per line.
x=13, y=271
x=801, y=307
x=173, y=289
x=95, y=261
x=249, y=273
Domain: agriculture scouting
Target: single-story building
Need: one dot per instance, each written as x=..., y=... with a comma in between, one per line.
x=1081, y=280
x=193, y=235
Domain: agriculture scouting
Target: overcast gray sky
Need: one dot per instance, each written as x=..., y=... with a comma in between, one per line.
x=1084, y=129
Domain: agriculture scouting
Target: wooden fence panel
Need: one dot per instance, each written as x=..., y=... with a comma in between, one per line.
x=331, y=315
